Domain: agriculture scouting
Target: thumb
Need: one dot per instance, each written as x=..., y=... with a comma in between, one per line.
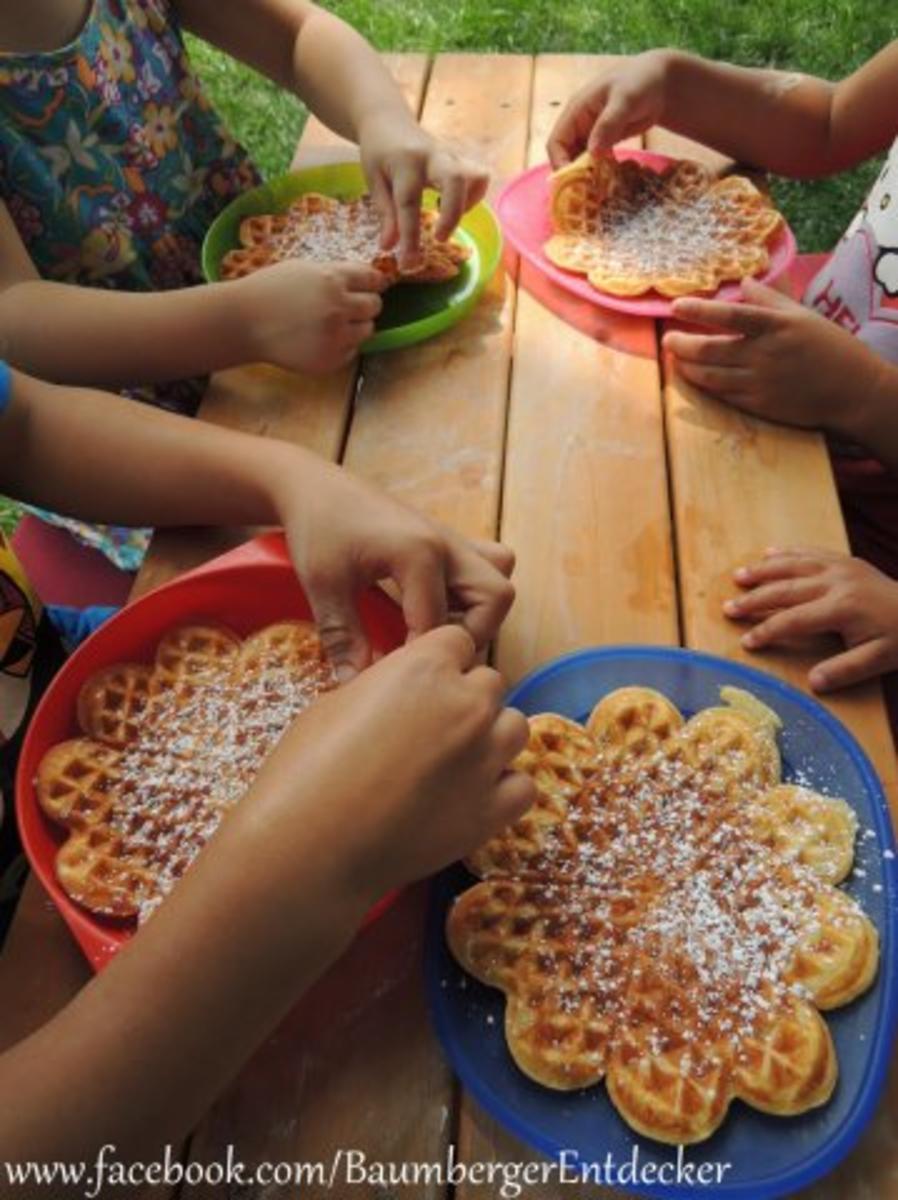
x=333, y=606
x=758, y=293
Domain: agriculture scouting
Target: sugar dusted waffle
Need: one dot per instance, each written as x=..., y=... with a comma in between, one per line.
x=169, y=748
x=677, y=231
x=664, y=918
x=321, y=229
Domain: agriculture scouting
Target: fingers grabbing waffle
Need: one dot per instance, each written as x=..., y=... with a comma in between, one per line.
x=678, y=231
x=665, y=916
x=321, y=229
x=169, y=748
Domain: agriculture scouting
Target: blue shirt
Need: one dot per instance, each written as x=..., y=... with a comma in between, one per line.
x=5, y=386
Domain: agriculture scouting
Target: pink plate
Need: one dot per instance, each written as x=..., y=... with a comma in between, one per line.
x=246, y=589
x=523, y=209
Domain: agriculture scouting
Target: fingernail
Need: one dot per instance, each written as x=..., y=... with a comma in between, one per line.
x=741, y=574
x=345, y=672
x=817, y=679
x=731, y=607
x=772, y=550
x=750, y=641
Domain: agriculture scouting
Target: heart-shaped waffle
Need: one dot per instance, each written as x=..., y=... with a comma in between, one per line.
x=169, y=748
x=320, y=229
x=664, y=917
x=677, y=231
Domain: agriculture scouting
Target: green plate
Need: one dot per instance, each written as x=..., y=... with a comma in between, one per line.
x=412, y=312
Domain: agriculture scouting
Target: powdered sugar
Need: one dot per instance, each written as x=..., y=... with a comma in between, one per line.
x=196, y=751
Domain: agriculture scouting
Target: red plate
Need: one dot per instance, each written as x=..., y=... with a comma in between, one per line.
x=247, y=589
x=523, y=209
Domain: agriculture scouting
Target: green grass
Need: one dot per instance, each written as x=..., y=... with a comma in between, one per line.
x=824, y=37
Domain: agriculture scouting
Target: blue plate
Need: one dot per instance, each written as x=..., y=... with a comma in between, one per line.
x=767, y=1156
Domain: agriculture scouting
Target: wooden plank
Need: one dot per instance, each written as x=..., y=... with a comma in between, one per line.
x=585, y=502
x=428, y=425
x=429, y=421
x=740, y=485
x=311, y=411
x=585, y=507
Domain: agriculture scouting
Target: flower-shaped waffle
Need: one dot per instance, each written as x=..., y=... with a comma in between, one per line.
x=168, y=748
x=665, y=916
x=321, y=229
x=630, y=229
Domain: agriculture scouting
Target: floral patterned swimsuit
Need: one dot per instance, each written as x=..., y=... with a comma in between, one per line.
x=112, y=165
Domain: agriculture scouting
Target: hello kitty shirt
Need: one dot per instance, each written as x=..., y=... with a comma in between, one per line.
x=857, y=288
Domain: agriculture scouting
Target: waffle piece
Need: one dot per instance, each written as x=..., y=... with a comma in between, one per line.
x=77, y=781
x=95, y=869
x=111, y=702
x=735, y=742
x=190, y=653
x=519, y=937
x=183, y=740
x=664, y=918
x=788, y=1063
x=555, y=756
x=262, y=230
x=636, y=720
x=288, y=653
x=802, y=826
x=237, y=264
x=678, y=231
x=838, y=954
x=321, y=229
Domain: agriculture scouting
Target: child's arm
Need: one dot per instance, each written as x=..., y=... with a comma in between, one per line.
x=343, y=80
x=774, y=358
x=378, y=783
x=801, y=593
x=298, y=315
x=104, y=458
x=792, y=124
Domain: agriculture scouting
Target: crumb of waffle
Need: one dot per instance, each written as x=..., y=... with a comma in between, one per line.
x=139, y=810
x=678, y=231
x=664, y=917
x=320, y=229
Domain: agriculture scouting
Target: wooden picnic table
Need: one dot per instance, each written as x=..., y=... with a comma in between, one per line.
x=629, y=499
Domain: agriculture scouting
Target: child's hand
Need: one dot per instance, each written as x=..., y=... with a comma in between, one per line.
x=309, y=316
x=400, y=161
x=410, y=762
x=798, y=593
x=345, y=535
x=775, y=359
x=623, y=100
